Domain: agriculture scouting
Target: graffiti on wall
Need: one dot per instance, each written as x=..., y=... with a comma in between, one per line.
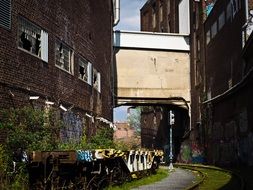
x=73, y=127
x=190, y=152
x=246, y=149
x=233, y=141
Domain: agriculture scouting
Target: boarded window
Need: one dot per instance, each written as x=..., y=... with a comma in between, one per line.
x=5, y=13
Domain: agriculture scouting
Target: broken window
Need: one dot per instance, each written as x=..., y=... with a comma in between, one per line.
x=96, y=80
x=32, y=38
x=85, y=70
x=64, y=57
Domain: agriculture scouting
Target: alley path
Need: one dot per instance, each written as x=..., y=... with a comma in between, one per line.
x=177, y=180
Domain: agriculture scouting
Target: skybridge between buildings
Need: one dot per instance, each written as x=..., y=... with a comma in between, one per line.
x=152, y=69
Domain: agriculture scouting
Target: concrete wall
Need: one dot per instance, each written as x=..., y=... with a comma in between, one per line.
x=156, y=74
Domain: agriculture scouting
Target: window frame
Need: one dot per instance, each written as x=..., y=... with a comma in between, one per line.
x=63, y=46
x=96, y=84
x=88, y=70
x=32, y=38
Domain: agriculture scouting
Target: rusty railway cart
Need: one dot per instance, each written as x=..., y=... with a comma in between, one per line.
x=88, y=169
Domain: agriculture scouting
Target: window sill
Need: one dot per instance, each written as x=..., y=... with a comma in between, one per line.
x=64, y=70
x=83, y=81
x=28, y=52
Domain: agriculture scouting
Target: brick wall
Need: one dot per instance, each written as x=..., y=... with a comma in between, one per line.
x=86, y=27
x=169, y=20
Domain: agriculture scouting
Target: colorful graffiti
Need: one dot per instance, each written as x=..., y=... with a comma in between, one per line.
x=190, y=152
x=84, y=155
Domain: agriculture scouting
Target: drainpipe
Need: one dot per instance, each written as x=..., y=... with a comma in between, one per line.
x=116, y=11
x=247, y=10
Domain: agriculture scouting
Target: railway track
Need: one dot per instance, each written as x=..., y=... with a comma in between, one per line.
x=237, y=182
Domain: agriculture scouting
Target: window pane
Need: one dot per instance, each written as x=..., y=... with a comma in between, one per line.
x=221, y=20
x=208, y=35
x=63, y=56
x=83, y=69
x=214, y=29
x=32, y=38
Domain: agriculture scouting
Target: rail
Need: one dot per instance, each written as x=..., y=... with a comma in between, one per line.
x=197, y=167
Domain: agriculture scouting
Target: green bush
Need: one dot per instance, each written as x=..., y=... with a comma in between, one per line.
x=32, y=129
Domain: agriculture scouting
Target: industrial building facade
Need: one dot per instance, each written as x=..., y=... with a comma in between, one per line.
x=169, y=16
x=221, y=77
x=220, y=71
x=54, y=53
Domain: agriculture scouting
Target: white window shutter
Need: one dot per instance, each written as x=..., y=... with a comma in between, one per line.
x=44, y=46
x=89, y=73
x=99, y=82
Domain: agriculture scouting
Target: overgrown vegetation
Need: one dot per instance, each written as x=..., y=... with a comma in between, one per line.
x=31, y=129
x=134, y=119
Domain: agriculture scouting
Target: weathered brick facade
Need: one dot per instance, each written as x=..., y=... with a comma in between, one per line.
x=160, y=16
x=86, y=28
x=221, y=79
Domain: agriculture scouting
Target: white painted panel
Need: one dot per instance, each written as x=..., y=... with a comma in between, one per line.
x=44, y=46
x=148, y=40
x=99, y=82
x=89, y=73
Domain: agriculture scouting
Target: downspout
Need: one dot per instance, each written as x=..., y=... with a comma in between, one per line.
x=246, y=10
x=115, y=21
x=116, y=10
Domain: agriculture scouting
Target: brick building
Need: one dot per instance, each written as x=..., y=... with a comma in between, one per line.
x=221, y=105
x=170, y=16
x=221, y=79
x=124, y=132
x=60, y=53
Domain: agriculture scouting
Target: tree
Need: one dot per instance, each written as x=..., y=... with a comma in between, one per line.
x=134, y=118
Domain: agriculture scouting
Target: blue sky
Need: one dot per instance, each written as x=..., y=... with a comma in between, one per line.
x=130, y=15
x=129, y=20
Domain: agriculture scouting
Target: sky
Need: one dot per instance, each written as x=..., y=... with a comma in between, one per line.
x=130, y=15
x=129, y=20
